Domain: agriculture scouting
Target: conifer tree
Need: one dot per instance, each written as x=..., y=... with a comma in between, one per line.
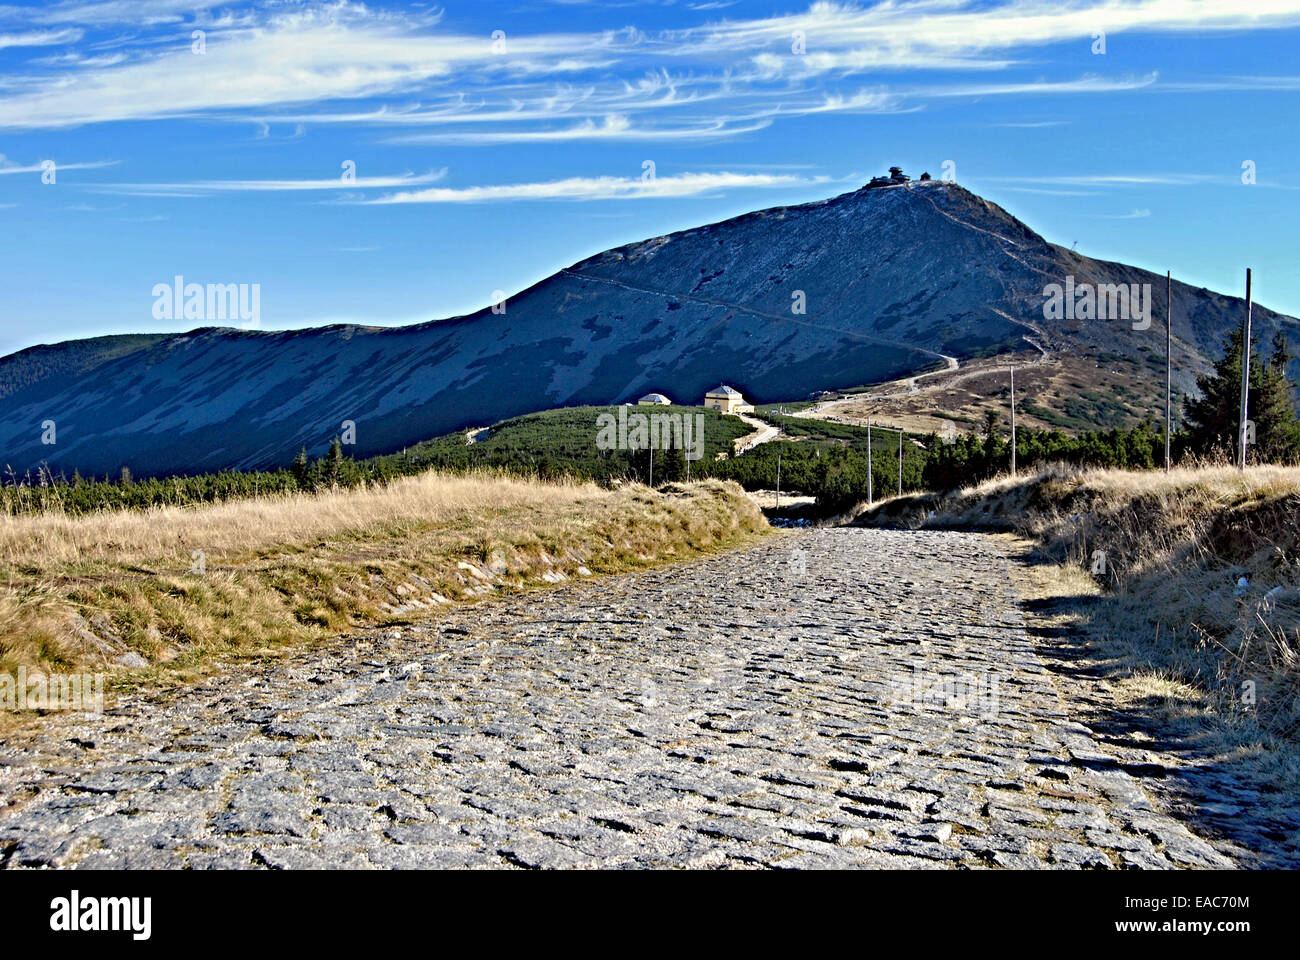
x=1212, y=418
x=301, y=468
x=334, y=461
x=1276, y=427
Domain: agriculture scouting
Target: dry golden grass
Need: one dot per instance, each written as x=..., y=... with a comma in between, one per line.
x=54, y=541
x=1219, y=484
x=79, y=593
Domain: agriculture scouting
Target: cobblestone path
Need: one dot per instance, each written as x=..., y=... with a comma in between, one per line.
x=829, y=698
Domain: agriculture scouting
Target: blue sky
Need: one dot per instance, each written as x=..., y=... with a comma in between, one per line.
x=484, y=165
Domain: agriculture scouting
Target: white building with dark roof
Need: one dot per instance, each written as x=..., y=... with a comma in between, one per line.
x=726, y=399
x=654, y=399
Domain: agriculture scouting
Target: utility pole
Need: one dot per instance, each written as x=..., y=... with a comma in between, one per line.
x=1245, y=379
x=870, y=465
x=900, y=461
x=778, y=473
x=1169, y=363
x=1013, y=423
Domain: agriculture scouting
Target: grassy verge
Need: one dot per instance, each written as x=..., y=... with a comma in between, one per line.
x=183, y=589
x=1196, y=576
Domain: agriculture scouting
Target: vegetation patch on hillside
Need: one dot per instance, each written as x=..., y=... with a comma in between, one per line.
x=563, y=442
x=172, y=591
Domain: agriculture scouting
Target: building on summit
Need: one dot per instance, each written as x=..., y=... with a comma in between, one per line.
x=896, y=178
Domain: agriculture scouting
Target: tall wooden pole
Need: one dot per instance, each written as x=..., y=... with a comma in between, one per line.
x=1169, y=363
x=778, y=474
x=1013, y=422
x=870, y=465
x=900, y=461
x=1245, y=380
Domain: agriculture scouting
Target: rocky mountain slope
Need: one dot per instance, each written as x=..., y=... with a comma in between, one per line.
x=66, y=360
x=892, y=281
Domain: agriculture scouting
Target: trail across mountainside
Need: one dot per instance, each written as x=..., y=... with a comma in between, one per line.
x=779, y=318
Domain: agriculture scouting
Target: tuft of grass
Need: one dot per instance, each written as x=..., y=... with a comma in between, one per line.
x=79, y=593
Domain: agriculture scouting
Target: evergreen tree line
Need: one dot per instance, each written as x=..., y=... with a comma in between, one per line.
x=44, y=490
x=78, y=495
x=828, y=461
x=1212, y=420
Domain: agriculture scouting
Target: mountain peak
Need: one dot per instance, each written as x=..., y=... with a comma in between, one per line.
x=880, y=283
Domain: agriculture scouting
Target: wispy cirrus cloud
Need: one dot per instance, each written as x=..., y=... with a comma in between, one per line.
x=314, y=54
x=951, y=34
x=8, y=167
x=1135, y=214
x=605, y=114
x=613, y=127
x=203, y=188
x=1085, y=84
x=1235, y=83
x=74, y=58
x=599, y=188
x=39, y=38
x=265, y=57
x=1029, y=124
x=120, y=12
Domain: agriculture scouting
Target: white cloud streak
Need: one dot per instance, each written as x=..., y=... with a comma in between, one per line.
x=599, y=188
x=200, y=188
x=324, y=53
x=1082, y=85
x=1135, y=214
x=7, y=168
x=39, y=38
x=613, y=127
